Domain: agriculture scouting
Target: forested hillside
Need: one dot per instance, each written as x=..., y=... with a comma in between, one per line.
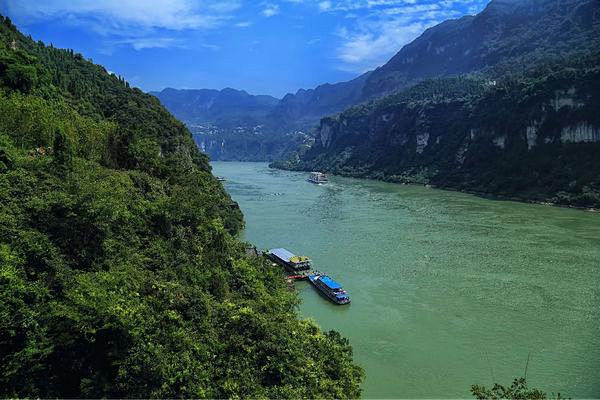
x=533, y=138
x=120, y=274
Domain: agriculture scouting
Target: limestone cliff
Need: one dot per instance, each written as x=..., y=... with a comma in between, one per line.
x=537, y=138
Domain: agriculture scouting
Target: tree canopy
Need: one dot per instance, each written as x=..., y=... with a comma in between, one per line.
x=120, y=271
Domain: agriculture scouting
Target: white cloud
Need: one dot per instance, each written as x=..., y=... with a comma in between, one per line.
x=351, y=5
x=385, y=26
x=168, y=14
x=148, y=43
x=129, y=22
x=373, y=3
x=270, y=10
x=366, y=49
x=325, y=5
x=413, y=9
x=225, y=6
x=243, y=24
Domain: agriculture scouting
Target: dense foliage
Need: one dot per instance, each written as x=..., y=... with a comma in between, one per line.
x=120, y=275
x=534, y=138
x=518, y=390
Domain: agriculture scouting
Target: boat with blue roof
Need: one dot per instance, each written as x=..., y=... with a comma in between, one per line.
x=330, y=288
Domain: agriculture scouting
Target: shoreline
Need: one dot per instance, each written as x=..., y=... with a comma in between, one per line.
x=498, y=197
x=521, y=200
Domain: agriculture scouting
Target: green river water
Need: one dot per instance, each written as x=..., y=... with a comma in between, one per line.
x=447, y=289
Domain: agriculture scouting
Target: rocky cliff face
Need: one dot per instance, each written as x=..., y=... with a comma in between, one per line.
x=583, y=131
x=538, y=138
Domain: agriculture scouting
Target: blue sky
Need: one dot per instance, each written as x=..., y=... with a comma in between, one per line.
x=263, y=47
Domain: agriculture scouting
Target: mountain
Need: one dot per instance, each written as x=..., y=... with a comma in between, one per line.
x=306, y=107
x=231, y=124
x=533, y=138
x=120, y=272
x=507, y=36
x=227, y=107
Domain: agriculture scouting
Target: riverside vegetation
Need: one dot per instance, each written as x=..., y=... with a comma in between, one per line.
x=120, y=274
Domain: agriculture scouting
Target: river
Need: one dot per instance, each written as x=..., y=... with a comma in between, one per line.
x=447, y=289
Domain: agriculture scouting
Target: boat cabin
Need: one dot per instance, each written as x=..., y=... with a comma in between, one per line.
x=317, y=177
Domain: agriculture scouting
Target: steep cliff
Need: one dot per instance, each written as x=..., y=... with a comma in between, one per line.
x=535, y=138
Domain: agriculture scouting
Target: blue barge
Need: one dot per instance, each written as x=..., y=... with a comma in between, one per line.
x=330, y=288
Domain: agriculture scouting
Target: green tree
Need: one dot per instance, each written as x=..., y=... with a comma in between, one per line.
x=518, y=390
x=63, y=151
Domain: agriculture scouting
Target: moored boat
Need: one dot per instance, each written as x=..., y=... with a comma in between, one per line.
x=317, y=177
x=292, y=262
x=330, y=288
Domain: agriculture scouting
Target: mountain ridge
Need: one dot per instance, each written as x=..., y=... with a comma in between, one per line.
x=506, y=33
x=505, y=39
x=215, y=106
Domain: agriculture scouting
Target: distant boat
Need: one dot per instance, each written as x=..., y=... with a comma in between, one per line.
x=221, y=179
x=317, y=177
x=330, y=288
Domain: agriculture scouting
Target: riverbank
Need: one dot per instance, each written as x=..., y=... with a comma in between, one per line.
x=491, y=196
